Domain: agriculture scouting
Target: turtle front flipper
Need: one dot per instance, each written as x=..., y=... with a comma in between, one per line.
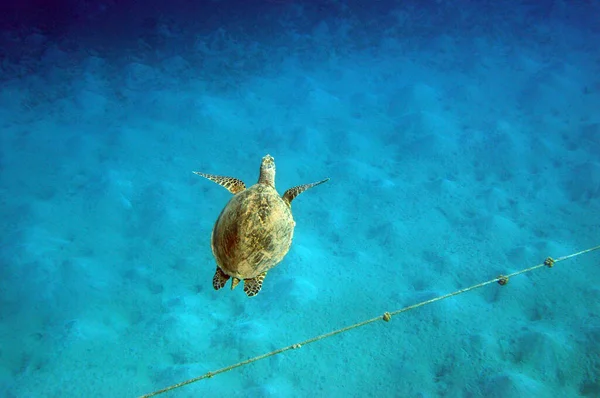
x=291, y=193
x=253, y=285
x=233, y=185
x=220, y=279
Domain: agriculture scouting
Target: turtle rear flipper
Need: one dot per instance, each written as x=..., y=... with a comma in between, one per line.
x=291, y=193
x=233, y=185
x=253, y=285
x=220, y=279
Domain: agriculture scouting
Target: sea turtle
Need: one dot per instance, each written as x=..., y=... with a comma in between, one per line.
x=254, y=231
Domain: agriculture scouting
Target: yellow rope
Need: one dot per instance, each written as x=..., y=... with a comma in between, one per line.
x=502, y=280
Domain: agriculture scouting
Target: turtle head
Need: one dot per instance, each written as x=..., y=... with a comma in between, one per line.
x=267, y=171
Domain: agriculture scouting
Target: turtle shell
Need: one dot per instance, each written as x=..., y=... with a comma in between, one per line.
x=253, y=232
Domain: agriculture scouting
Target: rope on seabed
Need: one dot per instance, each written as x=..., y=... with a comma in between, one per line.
x=501, y=279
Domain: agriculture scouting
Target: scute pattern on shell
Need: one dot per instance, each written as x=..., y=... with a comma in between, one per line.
x=253, y=232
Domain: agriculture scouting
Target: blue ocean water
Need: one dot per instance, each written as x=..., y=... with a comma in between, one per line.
x=462, y=140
